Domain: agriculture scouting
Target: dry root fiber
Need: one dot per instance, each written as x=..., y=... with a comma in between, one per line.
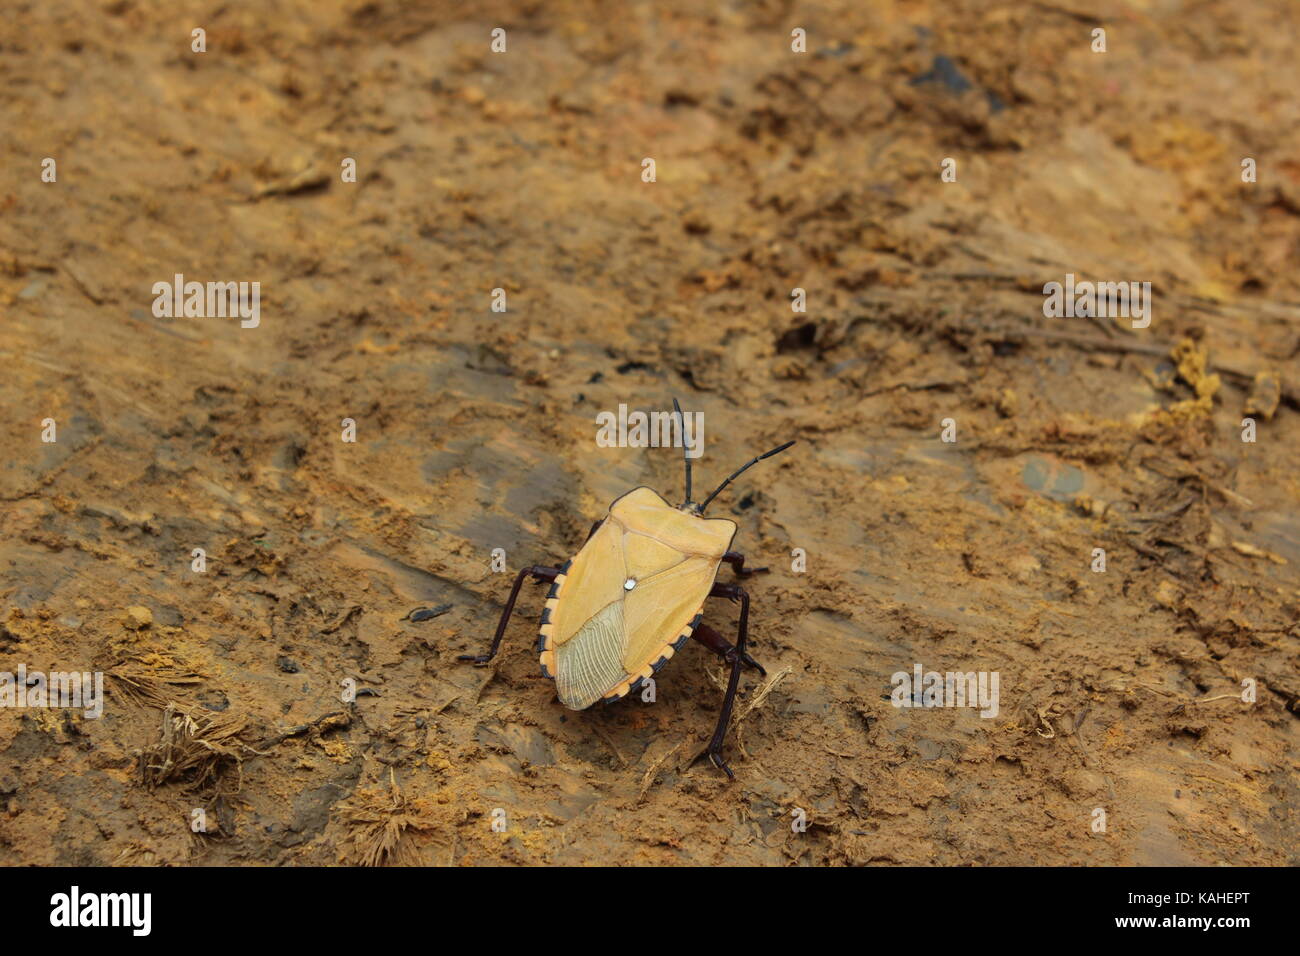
x=195, y=751
x=377, y=822
x=152, y=679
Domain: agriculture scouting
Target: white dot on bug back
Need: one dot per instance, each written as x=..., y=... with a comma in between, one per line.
x=629, y=584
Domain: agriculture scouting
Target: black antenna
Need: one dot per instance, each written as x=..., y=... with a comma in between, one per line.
x=682, y=420
x=766, y=454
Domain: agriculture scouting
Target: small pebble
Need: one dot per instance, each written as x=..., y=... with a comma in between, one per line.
x=138, y=617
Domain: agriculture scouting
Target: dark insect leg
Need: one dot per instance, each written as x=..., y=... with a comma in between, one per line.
x=539, y=573
x=722, y=647
x=737, y=562
x=736, y=593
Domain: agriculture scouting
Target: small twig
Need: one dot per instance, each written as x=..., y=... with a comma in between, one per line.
x=421, y=614
x=491, y=668
x=610, y=743
x=1290, y=394
x=341, y=620
x=648, y=780
x=757, y=700
x=83, y=285
x=337, y=720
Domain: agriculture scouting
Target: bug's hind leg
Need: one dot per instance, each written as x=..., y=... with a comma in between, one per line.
x=736, y=593
x=722, y=647
x=737, y=562
x=539, y=573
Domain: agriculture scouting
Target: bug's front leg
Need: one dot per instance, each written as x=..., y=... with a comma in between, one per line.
x=736, y=593
x=539, y=573
x=737, y=562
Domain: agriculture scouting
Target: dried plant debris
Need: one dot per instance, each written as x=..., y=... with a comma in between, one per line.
x=136, y=854
x=377, y=821
x=152, y=678
x=1193, y=361
x=195, y=751
x=1265, y=395
x=335, y=720
x=427, y=613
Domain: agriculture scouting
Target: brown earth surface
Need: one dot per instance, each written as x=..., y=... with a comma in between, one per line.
x=1120, y=690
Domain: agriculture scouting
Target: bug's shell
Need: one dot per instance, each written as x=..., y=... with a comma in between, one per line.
x=599, y=638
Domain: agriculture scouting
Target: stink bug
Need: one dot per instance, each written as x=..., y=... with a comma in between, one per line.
x=634, y=594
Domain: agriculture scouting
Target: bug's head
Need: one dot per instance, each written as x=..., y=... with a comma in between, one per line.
x=691, y=507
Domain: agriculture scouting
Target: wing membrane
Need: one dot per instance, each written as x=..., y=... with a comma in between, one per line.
x=589, y=664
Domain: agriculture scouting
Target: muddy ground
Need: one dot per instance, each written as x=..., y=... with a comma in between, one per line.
x=1120, y=690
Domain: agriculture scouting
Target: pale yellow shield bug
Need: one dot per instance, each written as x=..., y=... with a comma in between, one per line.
x=634, y=594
